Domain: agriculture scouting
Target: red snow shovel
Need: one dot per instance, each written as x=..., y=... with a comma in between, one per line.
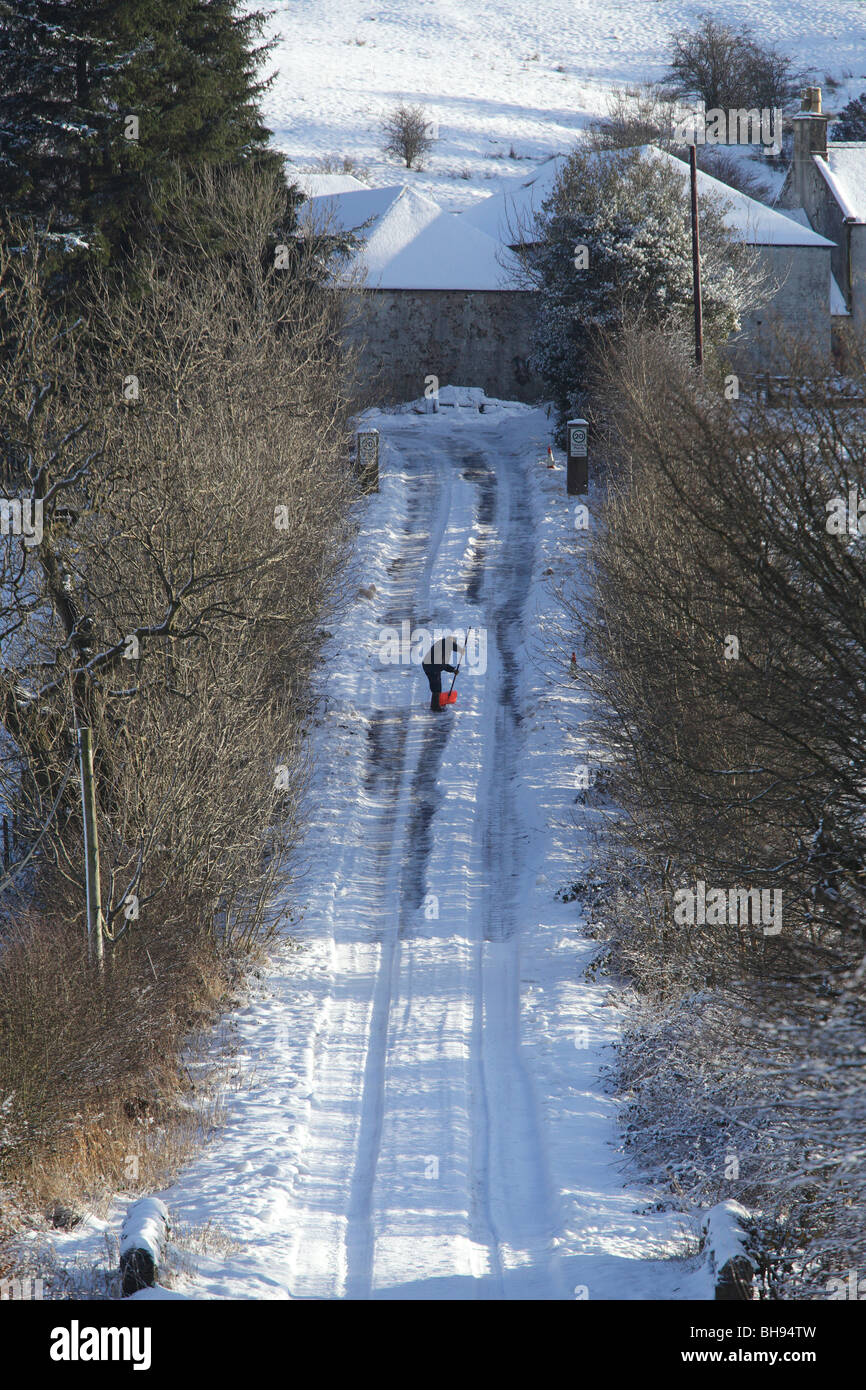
x=449, y=697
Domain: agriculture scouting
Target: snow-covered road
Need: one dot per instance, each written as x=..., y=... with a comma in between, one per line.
x=422, y=1112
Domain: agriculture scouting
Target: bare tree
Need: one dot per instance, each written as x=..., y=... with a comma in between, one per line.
x=642, y=114
x=185, y=440
x=188, y=455
x=408, y=135
x=728, y=68
x=726, y=648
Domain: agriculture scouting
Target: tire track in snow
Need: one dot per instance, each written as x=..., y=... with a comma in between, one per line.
x=511, y=1178
x=508, y=1209
x=429, y=993
x=407, y=819
x=332, y=1210
x=509, y=1206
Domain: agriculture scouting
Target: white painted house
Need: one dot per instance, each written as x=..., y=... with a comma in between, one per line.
x=797, y=257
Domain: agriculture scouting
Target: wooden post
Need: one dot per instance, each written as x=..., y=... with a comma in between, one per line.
x=91, y=848
x=734, y=1270
x=696, y=260
x=143, y=1239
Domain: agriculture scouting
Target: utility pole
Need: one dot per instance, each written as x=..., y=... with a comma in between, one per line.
x=95, y=919
x=696, y=260
x=84, y=734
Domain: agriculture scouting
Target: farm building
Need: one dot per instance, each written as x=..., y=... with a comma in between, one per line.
x=826, y=184
x=796, y=256
x=441, y=299
x=445, y=297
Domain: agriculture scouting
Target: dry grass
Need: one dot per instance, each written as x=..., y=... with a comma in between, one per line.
x=95, y=1096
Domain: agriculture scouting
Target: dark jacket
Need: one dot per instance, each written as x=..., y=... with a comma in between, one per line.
x=439, y=655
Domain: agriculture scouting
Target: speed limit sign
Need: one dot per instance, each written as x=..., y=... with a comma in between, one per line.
x=577, y=475
x=578, y=441
x=368, y=459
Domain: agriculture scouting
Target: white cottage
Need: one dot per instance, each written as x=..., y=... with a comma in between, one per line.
x=444, y=297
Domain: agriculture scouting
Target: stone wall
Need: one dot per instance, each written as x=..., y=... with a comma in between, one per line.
x=798, y=312
x=858, y=279
x=463, y=337
x=484, y=337
x=826, y=217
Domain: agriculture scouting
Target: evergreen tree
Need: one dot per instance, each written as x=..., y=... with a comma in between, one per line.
x=102, y=98
x=612, y=245
x=851, y=123
x=57, y=62
x=191, y=87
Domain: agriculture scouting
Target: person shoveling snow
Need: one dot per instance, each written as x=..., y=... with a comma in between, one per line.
x=437, y=660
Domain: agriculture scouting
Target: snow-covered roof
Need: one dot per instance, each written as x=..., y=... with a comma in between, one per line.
x=847, y=164
x=502, y=214
x=799, y=215
x=314, y=184
x=410, y=243
x=352, y=208
x=753, y=222
x=445, y=255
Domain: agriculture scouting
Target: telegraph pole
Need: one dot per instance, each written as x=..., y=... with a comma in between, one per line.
x=696, y=260
x=95, y=919
x=91, y=848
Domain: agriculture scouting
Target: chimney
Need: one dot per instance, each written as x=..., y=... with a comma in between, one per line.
x=810, y=138
x=810, y=100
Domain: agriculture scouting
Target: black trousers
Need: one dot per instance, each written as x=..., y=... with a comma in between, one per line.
x=434, y=676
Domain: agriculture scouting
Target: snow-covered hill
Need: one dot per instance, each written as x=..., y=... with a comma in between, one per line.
x=503, y=75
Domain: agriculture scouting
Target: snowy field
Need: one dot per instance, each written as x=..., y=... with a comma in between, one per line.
x=505, y=75
x=421, y=1110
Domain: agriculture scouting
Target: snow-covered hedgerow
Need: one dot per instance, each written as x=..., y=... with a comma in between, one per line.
x=728, y=645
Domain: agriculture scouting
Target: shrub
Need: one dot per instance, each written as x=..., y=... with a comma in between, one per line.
x=637, y=115
x=745, y=1066
x=407, y=135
